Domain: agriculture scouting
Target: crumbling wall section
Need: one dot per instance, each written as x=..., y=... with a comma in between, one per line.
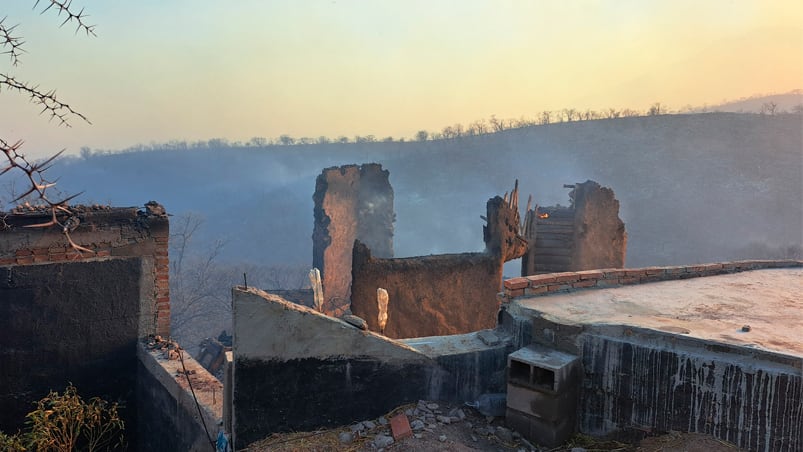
x=429, y=295
x=600, y=240
x=351, y=202
x=440, y=294
x=586, y=235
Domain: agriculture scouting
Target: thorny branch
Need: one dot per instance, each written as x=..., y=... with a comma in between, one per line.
x=34, y=172
x=10, y=42
x=63, y=112
x=65, y=7
x=47, y=99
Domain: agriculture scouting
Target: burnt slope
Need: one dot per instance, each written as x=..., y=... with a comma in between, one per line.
x=692, y=188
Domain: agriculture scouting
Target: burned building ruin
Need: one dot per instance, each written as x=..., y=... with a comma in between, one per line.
x=351, y=203
x=440, y=294
x=597, y=348
x=585, y=235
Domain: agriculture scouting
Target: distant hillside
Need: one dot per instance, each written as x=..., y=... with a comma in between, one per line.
x=693, y=188
x=787, y=103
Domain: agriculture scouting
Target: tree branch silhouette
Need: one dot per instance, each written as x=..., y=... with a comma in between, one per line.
x=37, y=185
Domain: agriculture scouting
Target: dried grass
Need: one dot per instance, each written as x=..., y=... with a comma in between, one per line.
x=321, y=440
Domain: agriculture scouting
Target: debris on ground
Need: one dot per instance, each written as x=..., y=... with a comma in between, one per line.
x=429, y=426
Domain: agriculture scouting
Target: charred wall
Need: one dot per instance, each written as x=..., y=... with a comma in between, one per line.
x=69, y=322
x=753, y=400
x=429, y=295
x=586, y=235
x=108, y=233
x=297, y=369
x=351, y=202
x=69, y=316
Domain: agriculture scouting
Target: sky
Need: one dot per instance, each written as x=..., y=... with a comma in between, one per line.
x=197, y=70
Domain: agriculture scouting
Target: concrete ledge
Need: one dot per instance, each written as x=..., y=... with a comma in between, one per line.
x=173, y=422
x=547, y=284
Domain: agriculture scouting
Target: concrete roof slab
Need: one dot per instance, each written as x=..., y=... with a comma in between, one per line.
x=759, y=308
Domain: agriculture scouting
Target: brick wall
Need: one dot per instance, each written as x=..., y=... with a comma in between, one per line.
x=545, y=284
x=108, y=232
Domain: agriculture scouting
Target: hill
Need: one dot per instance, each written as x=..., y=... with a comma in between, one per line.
x=692, y=187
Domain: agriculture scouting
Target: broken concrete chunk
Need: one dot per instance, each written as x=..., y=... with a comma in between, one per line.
x=345, y=437
x=359, y=322
x=489, y=338
x=382, y=441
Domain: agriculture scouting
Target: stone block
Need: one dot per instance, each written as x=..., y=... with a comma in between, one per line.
x=545, y=405
x=540, y=431
x=544, y=368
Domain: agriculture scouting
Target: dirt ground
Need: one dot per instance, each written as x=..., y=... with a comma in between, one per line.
x=448, y=427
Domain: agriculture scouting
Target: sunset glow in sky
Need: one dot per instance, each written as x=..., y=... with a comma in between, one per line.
x=195, y=70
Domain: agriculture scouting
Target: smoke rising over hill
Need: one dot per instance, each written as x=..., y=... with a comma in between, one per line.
x=692, y=188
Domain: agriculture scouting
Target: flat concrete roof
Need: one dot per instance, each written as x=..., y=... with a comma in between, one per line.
x=712, y=308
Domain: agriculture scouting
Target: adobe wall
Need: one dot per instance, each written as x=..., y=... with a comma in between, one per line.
x=440, y=294
x=586, y=235
x=429, y=295
x=351, y=202
x=600, y=240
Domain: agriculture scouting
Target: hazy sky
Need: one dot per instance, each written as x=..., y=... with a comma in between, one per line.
x=195, y=70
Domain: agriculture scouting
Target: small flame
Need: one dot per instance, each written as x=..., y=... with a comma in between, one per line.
x=543, y=215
